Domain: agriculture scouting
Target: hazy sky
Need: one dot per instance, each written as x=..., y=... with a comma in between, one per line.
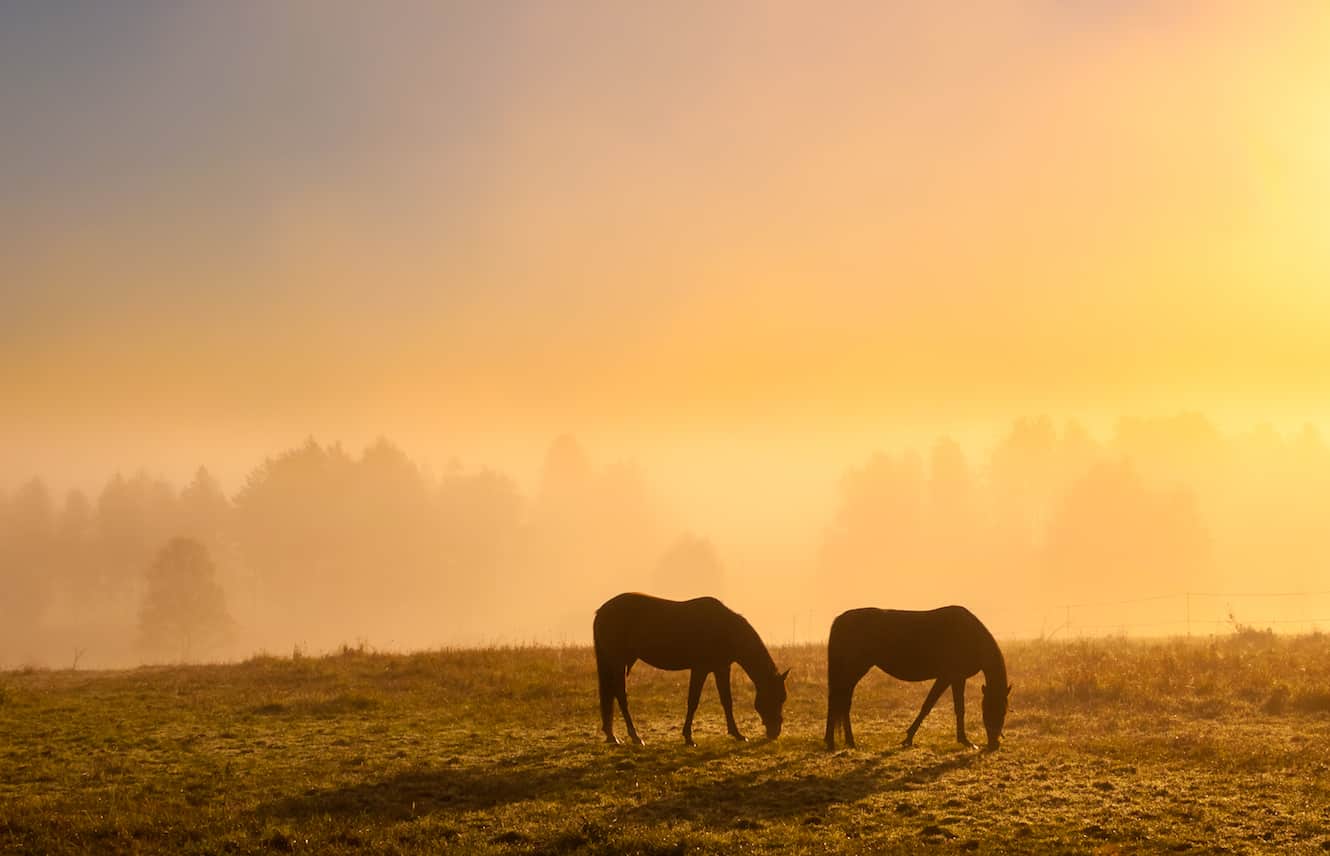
x=229, y=225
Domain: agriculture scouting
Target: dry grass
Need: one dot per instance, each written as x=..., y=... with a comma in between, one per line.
x=1113, y=746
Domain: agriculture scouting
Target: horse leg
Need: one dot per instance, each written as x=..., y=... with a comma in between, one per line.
x=727, y=701
x=621, y=691
x=695, y=683
x=958, y=698
x=840, y=691
x=845, y=714
x=607, y=694
x=833, y=716
x=933, y=695
x=838, y=713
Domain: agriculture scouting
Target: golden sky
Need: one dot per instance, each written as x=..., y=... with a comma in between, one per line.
x=228, y=227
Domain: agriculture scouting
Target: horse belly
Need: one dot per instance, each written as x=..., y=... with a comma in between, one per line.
x=671, y=655
x=667, y=663
x=911, y=671
x=916, y=663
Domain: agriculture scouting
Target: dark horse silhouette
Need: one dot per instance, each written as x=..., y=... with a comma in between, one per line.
x=948, y=645
x=702, y=635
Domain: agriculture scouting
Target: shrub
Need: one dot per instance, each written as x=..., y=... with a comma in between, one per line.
x=1277, y=702
x=1315, y=701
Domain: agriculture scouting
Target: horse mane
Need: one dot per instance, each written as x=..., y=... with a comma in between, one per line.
x=753, y=654
x=994, y=665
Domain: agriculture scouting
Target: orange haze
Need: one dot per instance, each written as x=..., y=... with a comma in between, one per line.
x=741, y=246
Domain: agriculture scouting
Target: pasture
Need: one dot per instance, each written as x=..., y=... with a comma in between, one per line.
x=1187, y=745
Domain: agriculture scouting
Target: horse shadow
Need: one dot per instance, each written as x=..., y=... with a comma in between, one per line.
x=777, y=792
x=457, y=788
x=780, y=789
x=421, y=791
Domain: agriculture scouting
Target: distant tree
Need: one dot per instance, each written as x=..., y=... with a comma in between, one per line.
x=480, y=518
x=32, y=518
x=297, y=526
x=875, y=545
x=184, y=609
x=1115, y=535
x=952, y=524
x=133, y=516
x=588, y=525
x=951, y=489
x=204, y=509
x=567, y=472
x=339, y=547
x=1025, y=475
x=27, y=558
x=74, y=533
x=563, y=513
x=689, y=568
x=629, y=520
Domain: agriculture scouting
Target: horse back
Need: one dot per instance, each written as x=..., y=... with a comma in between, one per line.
x=912, y=645
x=667, y=634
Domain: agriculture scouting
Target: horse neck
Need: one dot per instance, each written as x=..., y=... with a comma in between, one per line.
x=753, y=656
x=993, y=665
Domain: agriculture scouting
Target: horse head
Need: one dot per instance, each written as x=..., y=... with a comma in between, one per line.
x=995, y=714
x=770, y=698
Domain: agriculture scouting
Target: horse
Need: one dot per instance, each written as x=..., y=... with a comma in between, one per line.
x=701, y=635
x=947, y=645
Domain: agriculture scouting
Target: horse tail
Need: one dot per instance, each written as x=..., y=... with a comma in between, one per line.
x=835, y=653
x=598, y=642
x=605, y=678
x=839, y=686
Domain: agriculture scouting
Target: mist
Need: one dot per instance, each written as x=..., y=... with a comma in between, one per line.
x=1155, y=526
x=438, y=325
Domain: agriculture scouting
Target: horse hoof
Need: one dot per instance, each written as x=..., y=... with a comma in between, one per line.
x=638, y=741
x=611, y=740
x=740, y=738
x=907, y=743
x=688, y=741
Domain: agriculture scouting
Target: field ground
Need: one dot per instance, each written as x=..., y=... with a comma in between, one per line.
x=1215, y=745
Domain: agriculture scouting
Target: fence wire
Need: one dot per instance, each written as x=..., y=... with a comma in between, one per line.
x=1193, y=611
x=1178, y=613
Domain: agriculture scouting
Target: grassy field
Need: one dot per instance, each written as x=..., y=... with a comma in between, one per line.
x=1216, y=745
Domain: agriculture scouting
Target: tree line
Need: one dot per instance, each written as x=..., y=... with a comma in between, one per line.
x=320, y=546
x=1055, y=516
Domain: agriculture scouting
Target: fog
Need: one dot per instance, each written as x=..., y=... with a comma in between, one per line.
x=1154, y=526
x=440, y=323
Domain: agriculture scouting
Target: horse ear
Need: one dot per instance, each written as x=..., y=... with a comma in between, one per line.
x=785, y=674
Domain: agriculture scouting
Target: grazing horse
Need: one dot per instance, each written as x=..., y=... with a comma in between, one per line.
x=947, y=645
x=702, y=635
